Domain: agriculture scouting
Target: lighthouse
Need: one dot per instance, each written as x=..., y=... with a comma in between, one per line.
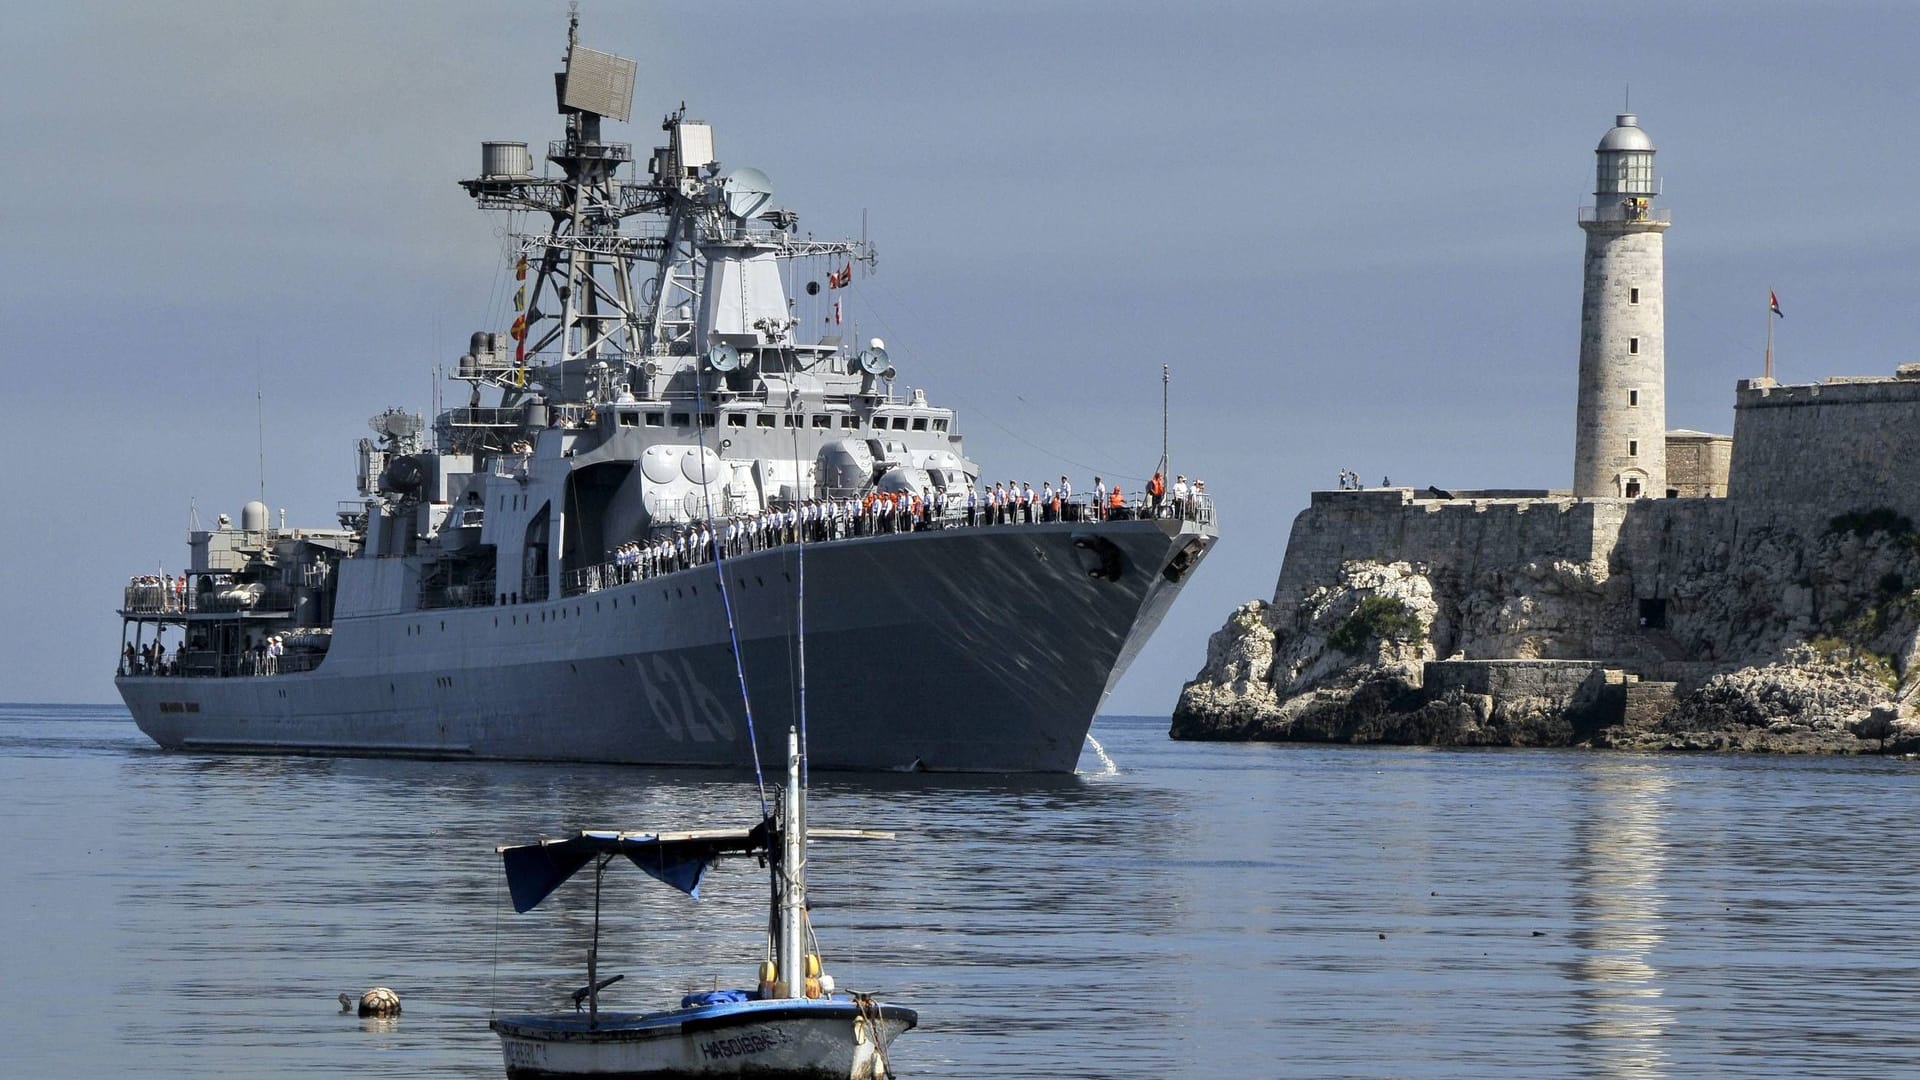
x=1619, y=449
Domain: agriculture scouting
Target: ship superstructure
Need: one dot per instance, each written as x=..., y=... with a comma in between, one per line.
x=540, y=574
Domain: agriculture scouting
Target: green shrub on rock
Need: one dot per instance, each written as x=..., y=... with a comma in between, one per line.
x=1384, y=617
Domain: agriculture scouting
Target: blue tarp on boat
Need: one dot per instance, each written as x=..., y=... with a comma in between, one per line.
x=679, y=859
x=717, y=997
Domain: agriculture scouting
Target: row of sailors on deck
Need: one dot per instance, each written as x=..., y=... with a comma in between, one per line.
x=157, y=592
x=260, y=656
x=880, y=512
x=148, y=659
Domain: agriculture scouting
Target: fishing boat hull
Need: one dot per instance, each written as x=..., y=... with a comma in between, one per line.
x=968, y=650
x=834, y=1039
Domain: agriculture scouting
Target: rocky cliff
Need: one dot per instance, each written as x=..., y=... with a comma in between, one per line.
x=1653, y=624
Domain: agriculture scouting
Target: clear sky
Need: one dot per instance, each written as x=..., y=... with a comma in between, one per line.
x=1348, y=227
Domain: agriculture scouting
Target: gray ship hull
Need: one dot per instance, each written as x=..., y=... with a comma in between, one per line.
x=971, y=650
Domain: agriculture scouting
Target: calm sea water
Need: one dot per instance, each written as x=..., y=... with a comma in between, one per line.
x=1184, y=910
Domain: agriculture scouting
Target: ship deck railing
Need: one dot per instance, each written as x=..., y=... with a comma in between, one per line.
x=644, y=563
x=207, y=665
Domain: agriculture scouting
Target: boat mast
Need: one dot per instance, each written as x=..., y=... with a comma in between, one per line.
x=793, y=872
x=593, y=948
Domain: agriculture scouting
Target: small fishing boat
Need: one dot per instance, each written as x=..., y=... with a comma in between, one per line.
x=795, y=1023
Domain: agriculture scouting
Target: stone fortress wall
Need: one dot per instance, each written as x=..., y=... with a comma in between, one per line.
x=1808, y=448
x=1464, y=530
x=1801, y=456
x=1542, y=615
x=1697, y=464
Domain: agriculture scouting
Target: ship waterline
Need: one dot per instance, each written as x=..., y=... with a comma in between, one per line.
x=986, y=649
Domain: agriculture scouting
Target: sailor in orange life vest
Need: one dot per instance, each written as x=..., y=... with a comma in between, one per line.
x=1156, y=492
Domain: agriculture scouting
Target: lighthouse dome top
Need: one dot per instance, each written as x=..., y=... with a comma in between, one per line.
x=1626, y=134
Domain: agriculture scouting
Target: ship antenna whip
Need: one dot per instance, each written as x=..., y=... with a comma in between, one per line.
x=726, y=598
x=1166, y=376
x=260, y=431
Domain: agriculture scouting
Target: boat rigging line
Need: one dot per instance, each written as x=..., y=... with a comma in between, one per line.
x=726, y=595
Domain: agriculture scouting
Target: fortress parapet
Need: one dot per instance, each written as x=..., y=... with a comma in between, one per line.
x=1830, y=447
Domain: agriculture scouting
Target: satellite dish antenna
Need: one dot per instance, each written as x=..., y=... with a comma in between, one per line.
x=874, y=361
x=723, y=357
x=748, y=192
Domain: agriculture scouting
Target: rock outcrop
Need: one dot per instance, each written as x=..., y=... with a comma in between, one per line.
x=1658, y=624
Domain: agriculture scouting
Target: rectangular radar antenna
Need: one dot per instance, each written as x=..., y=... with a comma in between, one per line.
x=598, y=82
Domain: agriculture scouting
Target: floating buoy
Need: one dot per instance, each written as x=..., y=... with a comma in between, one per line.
x=379, y=1001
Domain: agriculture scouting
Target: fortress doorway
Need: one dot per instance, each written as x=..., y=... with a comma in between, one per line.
x=1653, y=614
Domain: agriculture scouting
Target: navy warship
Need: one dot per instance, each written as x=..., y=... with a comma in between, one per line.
x=668, y=459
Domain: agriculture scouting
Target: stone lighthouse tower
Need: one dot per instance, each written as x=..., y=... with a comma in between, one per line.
x=1620, y=448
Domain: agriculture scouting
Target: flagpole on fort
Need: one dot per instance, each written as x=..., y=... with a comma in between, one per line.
x=1773, y=312
x=1770, y=317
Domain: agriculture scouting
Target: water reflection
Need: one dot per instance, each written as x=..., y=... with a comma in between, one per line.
x=300, y=877
x=1618, y=859
x=1206, y=909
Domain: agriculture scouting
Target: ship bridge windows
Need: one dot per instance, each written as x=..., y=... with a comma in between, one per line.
x=681, y=419
x=706, y=419
x=764, y=420
x=822, y=420
x=629, y=419
x=919, y=423
x=736, y=419
x=655, y=419
x=849, y=422
x=939, y=423
x=899, y=423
